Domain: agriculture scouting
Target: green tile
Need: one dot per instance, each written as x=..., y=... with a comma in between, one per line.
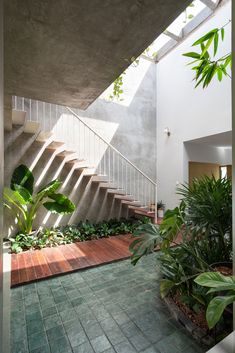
x=68, y=315
x=121, y=318
x=100, y=344
x=64, y=306
x=49, y=311
x=43, y=349
x=52, y=321
x=125, y=347
x=55, y=333
x=77, y=338
x=37, y=340
x=139, y=342
x=83, y=348
x=19, y=347
x=60, y=345
x=93, y=331
x=35, y=326
x=115, y=335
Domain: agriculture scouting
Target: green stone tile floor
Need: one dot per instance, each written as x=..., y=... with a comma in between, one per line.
x=113, y=308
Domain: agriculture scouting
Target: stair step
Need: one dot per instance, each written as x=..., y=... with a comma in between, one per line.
x=124, y=197
x=31, y=127
x=108, y=186
x=142, y=208
x=145, y=213
x=100, y=179
x=18, y=117
x=116, y=192
x=66, y=153
x=43, y=136
x=132, y=203
x=55, y=144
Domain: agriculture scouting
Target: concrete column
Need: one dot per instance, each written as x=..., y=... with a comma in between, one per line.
x=1, y=175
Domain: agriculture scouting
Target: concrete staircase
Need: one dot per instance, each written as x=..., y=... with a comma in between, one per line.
x=95, y=196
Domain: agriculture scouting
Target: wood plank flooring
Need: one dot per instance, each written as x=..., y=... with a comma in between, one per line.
x=38, y=264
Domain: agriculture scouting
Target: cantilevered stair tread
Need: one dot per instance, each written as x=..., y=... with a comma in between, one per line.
x=43, y=136
x=100, y=179
x=66, y=153
x=116, y=192
x=55, y=144
x=124, y=197
x=108, y=186
x=31, y=127
x=18, y=117
x=132, y=203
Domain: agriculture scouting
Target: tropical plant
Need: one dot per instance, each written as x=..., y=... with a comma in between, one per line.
x=208, y=203
x=160, y=205
x=24, y=204
x=49, y=237
x=206, y=64
x=217, y=283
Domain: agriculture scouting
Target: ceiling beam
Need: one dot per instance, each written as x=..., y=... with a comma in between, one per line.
x=172, y=35
x=209, y=3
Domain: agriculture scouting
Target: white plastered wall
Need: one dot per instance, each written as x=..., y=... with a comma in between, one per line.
x=189, y=113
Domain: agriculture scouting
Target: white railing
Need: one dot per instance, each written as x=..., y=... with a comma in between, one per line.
x=68, y=127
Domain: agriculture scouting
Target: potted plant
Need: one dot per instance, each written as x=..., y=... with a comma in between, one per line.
x=160, y=209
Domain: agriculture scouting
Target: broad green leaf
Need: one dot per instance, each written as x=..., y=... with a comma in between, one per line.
x=14, y=197
x=61, y=204
x=148, y=236
x=222, y=33
x=215, y=279
x=207, y=36
x=216, y=307
x=192, y=55
x=22, y=176
x=165, y=287
x=216, y=42
x=49, y=189
x=24, y=193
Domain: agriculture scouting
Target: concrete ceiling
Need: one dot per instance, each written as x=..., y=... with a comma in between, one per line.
x=223, y=139
x=69, y=51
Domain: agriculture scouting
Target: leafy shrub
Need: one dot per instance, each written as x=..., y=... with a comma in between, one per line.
x=72, y=233
x=204, y=220
x=23, y=203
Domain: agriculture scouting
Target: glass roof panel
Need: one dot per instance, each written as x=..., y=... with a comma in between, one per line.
x=157, y=44
x=186, y=16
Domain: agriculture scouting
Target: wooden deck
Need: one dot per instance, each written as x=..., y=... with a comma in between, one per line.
x=38, y=264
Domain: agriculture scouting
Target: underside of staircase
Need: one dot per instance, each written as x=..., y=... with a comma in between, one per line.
x=97, y=198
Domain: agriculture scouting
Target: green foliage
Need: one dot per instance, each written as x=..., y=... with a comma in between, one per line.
x=204, y=220
x=209, y=214
x=206, y=65
x=217, y=283
x=23, y=204
x=117, y=88
x=147, y=238
x=72, y=233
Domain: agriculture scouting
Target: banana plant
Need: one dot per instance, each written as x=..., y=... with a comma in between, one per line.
x=217, y=283
x=24, y=204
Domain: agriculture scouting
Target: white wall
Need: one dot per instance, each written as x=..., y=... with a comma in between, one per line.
x=188, y=112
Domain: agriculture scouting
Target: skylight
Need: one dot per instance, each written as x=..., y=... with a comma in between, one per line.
x=186, y=16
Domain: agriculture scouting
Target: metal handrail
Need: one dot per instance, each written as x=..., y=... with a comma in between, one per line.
x=112, y=147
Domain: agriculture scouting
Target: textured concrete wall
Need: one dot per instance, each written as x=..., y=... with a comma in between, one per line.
x=129, y=125
x=134, y=118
